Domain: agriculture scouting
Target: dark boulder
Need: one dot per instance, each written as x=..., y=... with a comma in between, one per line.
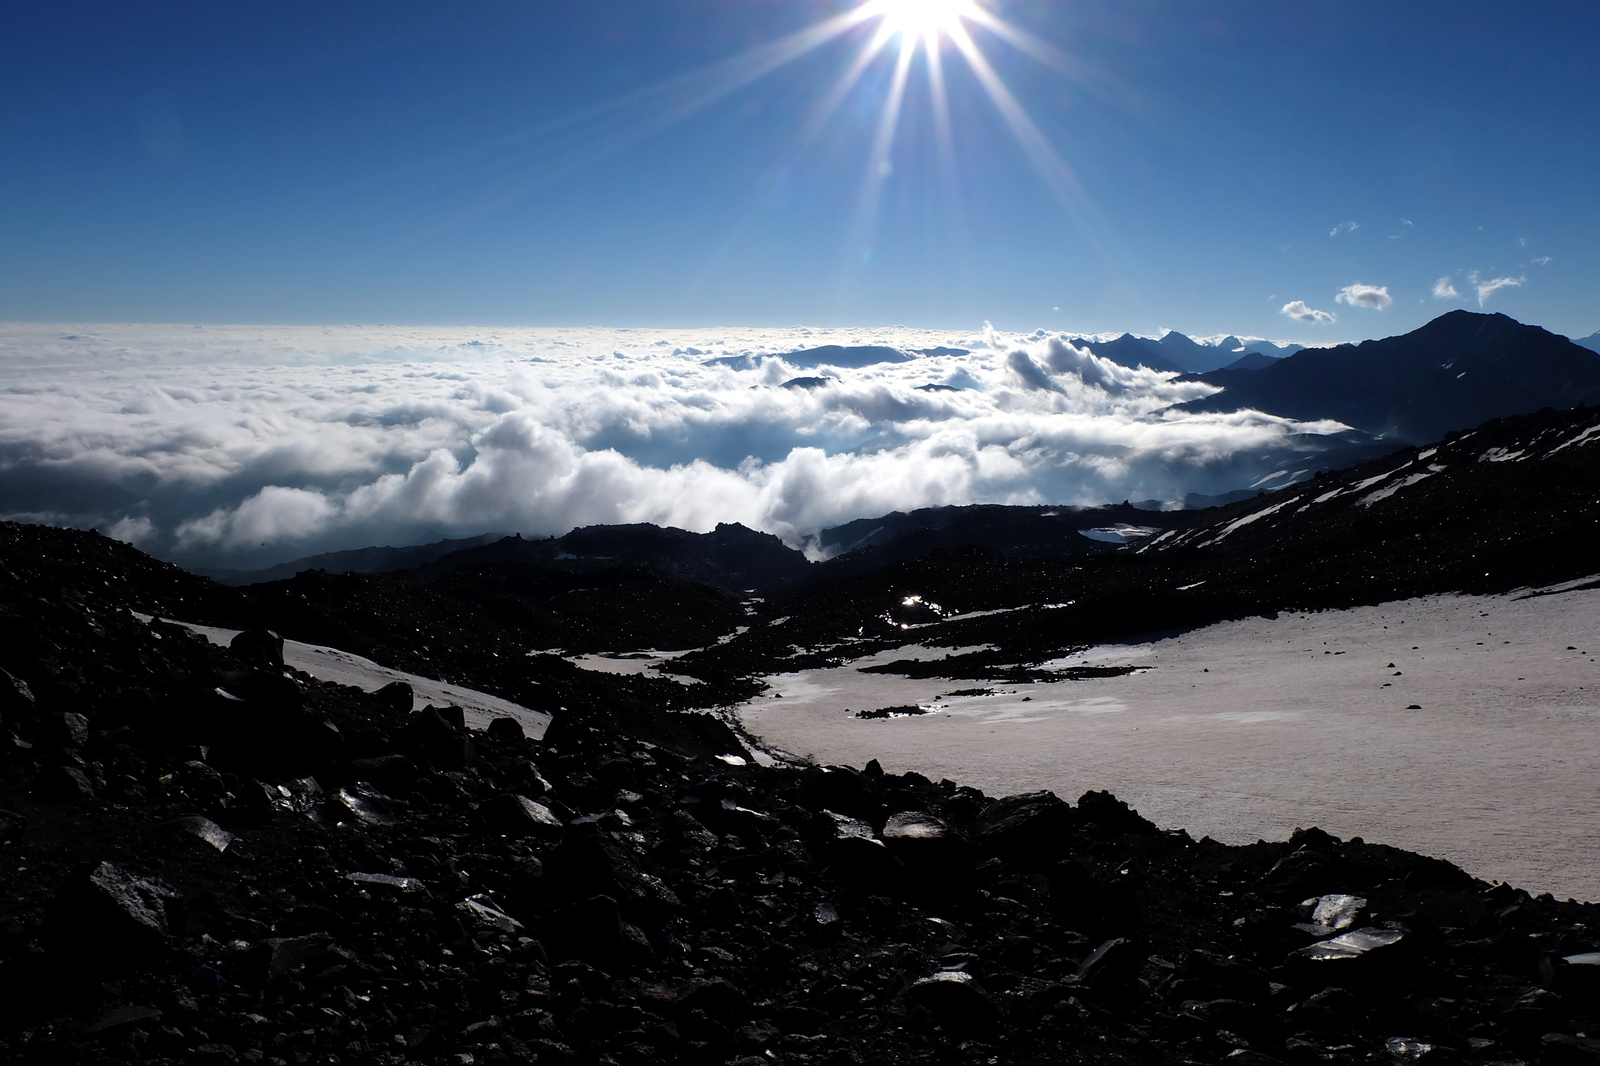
x=957, y=1002
x=716, y=999
x=111, y=915
x=519, y=816
x=841, y=790
x=65, y=730
x=590, y=862
x=1086, y=903
x=594, y=931
x=18, y=707
x=506, y=730
x=396, y=772
x=64, y=784
x=1112, y=969
x=1113, y=816
x=439, y=743
x=395, y=696
x=1031, y=829
x=259, y=647
x=938, y=863
x=857, y=859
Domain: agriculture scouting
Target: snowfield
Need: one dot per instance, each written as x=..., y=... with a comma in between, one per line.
x=1458, y=726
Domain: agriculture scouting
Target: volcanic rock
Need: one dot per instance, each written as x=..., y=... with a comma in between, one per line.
x=277, y=870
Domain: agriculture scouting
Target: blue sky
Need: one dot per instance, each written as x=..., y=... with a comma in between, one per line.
x=552, y=163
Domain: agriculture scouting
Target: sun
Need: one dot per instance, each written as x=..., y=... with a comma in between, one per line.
x=920, y=18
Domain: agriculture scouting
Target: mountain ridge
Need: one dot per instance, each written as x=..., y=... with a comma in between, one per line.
x=1456, y=372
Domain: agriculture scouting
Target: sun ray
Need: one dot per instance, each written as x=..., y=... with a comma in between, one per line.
x=937, y=93
x=1046, y=160
x=842, y=86
x=584, y=139
x=1042, y=51
x=878, y=164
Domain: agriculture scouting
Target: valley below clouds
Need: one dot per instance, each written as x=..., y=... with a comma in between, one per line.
x=244, y=446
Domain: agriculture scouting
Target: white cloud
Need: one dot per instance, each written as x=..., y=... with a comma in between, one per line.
x=1488, y=288
x=1405, y=227
x=237, y=446
x=133, y=529
x=1444, y=289
x=1343, y=228
x=1297, y=309
x=1544, y=260
x=1358, y=295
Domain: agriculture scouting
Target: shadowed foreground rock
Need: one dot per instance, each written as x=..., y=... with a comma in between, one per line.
x=209, y=859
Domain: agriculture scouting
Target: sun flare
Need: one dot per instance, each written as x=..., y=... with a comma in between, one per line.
x=921, y=18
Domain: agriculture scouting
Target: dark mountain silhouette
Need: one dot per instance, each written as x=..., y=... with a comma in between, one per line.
x=851, y=356
x=1253, y=361
x=375, y=560
x=1190, y=355
x=1457, y=371
x=870, y=543
x=1277, y=351
x=732, y=557
x=1173, y=352
x=1130, y=351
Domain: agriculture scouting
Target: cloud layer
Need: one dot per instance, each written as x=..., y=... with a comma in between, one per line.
x=244, y=446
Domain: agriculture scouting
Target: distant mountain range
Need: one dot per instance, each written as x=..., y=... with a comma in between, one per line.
x=1457, y=371
x=1182, y=354
x=1174, y=352
x=732, y=557
x=1592, y=341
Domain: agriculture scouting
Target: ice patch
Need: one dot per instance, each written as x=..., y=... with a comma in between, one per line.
x=1587, y=436
x=1238, y=523
x=1389, y=490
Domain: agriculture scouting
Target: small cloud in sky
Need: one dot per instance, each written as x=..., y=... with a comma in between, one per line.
x=1297, y=310
x=1491, y=286
x=1358, y=295
x=1344, y=227
x=1544, y=260
x=1443, y=289
x=1522, y=242
x=1405, y=227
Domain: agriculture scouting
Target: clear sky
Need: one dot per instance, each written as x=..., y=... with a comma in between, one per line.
x=1181, y=164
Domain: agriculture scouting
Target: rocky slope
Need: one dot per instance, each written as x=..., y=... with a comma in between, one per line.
x=212, y=859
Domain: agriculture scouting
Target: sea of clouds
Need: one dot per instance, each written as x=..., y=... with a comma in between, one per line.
x=245, y=446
